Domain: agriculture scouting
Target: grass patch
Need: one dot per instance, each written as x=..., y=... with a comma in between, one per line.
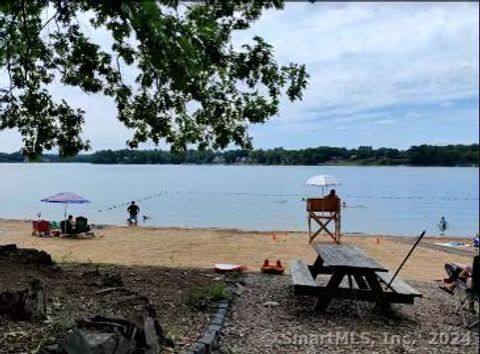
x=66, y=258
x=205, y=298
x=57, y=324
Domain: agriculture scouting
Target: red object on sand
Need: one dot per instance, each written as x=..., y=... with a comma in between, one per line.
x=269, y=268
x=40, y=228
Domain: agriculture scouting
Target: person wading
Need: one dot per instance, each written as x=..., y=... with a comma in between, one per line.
x=133, y=211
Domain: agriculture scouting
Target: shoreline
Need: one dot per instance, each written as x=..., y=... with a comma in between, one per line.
x=235, y=164
x=256, y=231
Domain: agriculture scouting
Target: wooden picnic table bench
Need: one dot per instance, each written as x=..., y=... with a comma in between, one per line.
x=349, y=261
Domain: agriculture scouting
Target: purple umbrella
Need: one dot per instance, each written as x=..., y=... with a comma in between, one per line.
x=65, y=198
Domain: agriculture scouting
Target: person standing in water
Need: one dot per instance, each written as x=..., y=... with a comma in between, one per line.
x=133, y=211
x=443, y=225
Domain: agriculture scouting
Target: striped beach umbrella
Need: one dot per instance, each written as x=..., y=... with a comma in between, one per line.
x=65, y=198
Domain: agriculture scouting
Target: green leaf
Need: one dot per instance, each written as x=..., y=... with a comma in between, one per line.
x=192, y=87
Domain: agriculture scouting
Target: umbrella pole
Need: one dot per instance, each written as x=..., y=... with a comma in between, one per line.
x=65, y=218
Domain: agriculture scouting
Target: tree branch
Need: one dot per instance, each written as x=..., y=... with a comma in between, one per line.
x=118, y=68
x=7, y=47
x=48, y=21
x=26, y=36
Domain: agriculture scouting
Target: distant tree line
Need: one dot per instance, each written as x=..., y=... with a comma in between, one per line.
x=422, y=155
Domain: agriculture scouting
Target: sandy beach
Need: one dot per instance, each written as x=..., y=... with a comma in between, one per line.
x=202, y=248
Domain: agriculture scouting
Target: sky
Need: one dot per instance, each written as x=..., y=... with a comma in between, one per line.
x=382, y=75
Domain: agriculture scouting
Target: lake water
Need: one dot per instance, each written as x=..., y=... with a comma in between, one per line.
x=391, y=200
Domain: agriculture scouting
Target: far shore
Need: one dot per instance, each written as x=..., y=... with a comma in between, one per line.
x=203, y=247
x=326, y=164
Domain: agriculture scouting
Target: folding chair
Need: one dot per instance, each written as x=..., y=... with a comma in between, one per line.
x=323, y=211
x=471, y=294
x=81, y=224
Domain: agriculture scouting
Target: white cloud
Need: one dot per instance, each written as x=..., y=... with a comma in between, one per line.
x=385, y=121
x=446, y=104
x=412, y=115
x=373, y=55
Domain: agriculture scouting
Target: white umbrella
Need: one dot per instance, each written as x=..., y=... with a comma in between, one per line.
x=324, y=181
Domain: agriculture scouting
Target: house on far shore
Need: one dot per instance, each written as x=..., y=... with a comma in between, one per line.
x=218, y=160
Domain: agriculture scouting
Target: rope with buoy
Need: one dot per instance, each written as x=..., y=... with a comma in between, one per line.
x=124, y=204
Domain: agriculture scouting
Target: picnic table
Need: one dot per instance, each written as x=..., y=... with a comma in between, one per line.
x=368, y=280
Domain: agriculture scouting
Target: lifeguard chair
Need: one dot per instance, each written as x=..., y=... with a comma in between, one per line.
x=324, y=211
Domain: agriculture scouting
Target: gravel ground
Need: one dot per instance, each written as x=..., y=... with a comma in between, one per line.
x=289, y=325
x=72, y=295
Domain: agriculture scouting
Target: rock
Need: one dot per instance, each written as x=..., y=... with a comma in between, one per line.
x=82, y=341
x=198, y=348
x=27, y=304
x=218, y=320
x=223, y=305
x=102, y=335
x=271, y=303
x=24, y=255
x=239, y=289
x=209, y=339
x=152, y=342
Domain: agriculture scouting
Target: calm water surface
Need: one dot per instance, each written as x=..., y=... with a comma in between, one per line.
x=392, y=200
